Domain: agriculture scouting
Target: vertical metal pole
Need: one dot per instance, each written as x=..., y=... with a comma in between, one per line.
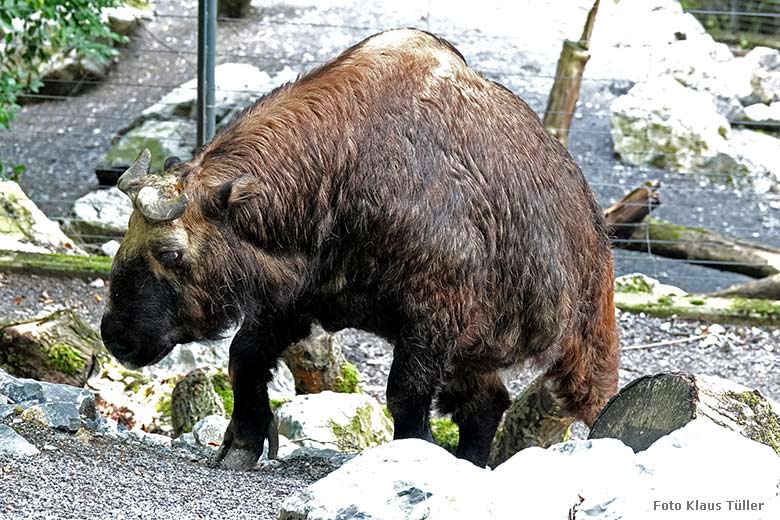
x=207, y=51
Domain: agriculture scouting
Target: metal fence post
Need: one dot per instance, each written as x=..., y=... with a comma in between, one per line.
x=207, y=50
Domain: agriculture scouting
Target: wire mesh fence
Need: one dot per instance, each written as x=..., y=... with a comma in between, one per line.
x=63, y=138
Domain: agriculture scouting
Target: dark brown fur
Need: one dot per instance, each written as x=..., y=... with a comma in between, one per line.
x=396, y=190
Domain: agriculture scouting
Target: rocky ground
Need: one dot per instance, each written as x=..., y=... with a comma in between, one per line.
x=101, y=477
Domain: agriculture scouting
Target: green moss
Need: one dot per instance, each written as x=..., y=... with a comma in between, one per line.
x=64, y=358
x=633, y=284
x=445, y=433
x=754, y=308
x=164, y=406
x=54, y=263
x=359, y=433
x=349, y=380
x=224, y=391
x=665, y=300
x=761, y=424
x=696, y=302
x=125, y=154
x=276, y=403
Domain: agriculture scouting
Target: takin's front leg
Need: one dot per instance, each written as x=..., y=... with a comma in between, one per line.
x=253, y=353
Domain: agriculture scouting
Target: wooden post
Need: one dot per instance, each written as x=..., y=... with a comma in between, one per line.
x=568, y=77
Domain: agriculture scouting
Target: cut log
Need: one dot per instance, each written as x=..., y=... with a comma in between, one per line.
x=738, y=311
x=55, y=264
x=653, y=406
x=568, y=77
x=59, y=348
x=194, y=398
x=766, y=288
x=533, y=419
x=703, y=247
x=623, y=216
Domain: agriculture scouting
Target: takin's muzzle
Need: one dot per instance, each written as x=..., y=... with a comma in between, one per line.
x=159, y=197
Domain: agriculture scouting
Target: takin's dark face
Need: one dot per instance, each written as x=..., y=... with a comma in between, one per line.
x=158, y=295
x=146, y=315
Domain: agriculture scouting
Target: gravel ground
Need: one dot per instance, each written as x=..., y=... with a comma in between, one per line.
x=104, y=478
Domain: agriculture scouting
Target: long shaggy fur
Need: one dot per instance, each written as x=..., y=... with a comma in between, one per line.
x=397, y=190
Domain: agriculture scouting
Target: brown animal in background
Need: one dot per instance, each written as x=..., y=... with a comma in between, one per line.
x=396, y=190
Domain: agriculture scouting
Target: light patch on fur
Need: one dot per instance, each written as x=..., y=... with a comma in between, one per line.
x=447, y=64
x=394, y=39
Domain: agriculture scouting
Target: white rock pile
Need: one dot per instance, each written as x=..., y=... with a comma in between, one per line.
x=700, y=471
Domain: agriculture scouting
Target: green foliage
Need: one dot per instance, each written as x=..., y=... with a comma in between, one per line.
x=224, y=391
x=164, y=406
x=31, y=32
x=276, y=403
x=349, y=380
x=62, y=357
x=445, y=433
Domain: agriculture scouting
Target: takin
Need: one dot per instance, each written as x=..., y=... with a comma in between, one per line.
x=394, y=190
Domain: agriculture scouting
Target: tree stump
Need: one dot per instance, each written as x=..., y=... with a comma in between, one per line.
x=194, y=398
x=653, y=406
x=533, y=419
x=58, y=348
x=318, y=364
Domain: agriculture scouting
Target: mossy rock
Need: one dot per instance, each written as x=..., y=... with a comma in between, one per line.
x=58, y=348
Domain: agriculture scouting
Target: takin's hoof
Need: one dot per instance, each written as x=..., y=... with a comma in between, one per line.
x=238, y=460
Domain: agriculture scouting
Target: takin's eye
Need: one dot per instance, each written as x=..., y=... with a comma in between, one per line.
x=169, y=258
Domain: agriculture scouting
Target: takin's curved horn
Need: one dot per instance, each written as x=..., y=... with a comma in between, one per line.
x=156, y=207
x=130, y=181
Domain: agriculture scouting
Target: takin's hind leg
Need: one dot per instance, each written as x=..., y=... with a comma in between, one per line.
x=477, y=402
x=411, y=384
x=586, y=375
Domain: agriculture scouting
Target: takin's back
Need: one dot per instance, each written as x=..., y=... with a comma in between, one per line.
x=430, y=183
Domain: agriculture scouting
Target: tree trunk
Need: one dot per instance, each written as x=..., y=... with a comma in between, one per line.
x=704, y=247
x=59, y=348
x=623, y=216
x=766, y=288
x=533, y=419
x=568, y=77
x=653, y=406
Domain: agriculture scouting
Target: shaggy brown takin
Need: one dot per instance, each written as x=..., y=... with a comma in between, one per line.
x=396, y=190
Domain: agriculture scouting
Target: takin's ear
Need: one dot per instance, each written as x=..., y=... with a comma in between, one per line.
x=170, y=162
x=236, y=193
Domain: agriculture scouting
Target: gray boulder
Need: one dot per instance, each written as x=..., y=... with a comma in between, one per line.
x=341, y=422
x=24, y=227
x=666, y=125
x=168, y=126
x=13, y=444
x=52, y=405
x=763, y=114
x=100, y=215
x=125, y=19
x=765, y=79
